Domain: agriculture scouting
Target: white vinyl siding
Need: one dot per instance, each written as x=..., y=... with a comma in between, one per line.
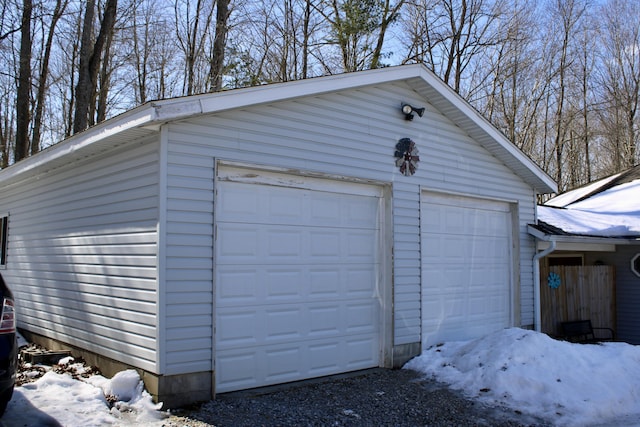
x=188, y=262
x=351, y=134
x=82, y=254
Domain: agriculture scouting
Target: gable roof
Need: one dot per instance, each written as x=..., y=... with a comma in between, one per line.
x=608, y=208
x=590, y=190
x=147, y=119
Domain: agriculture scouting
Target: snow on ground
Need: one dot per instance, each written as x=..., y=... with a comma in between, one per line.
x=57, y=399
x=566, y=384
x=563, y=383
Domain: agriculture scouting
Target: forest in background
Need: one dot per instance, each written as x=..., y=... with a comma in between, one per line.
x=560, y=78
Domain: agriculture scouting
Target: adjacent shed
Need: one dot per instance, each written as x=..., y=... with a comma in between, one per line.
x=270, y=234
x=592, y=239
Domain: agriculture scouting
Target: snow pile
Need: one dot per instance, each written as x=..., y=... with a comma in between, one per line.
x=564, y=383
x=132, y=401
x=70, y=400
x=50, y=397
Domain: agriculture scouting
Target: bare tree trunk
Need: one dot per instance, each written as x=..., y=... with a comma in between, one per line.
x=44, y=73
x=219, y=45
x=456, y=36
x=141, y=60
x=452, y=34
x=90, y=56
x=23, y=95
x=287, y=40
x=82, y=95
x=389, y=15
x=341, y=37
x=6, y=133
x=192, y=41
x=585, y=109
x=305, y=39
x=105, y=80
x=569, y=15
x=192, y=51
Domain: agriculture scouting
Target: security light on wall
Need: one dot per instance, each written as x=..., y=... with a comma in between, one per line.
x=408, y=111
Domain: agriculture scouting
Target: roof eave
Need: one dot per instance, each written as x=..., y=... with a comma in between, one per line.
x=484, y=132
x=152, y=115
x=546, y=237
x=136, y=118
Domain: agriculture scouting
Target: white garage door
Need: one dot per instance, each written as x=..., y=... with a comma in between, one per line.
x=466, y=267
x=297, y=272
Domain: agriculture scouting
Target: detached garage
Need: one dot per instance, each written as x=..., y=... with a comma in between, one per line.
x=271, y=234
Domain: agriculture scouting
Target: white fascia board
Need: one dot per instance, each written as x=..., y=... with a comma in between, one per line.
x=583, y=240
x=129, y=120
x=265, y=94
x=585, y=247
x=448, y=94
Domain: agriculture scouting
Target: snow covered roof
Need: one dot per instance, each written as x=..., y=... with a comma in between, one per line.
x=608, y=208
x=146, y=120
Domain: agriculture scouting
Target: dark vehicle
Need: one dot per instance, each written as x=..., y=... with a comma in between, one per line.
x=8, y=346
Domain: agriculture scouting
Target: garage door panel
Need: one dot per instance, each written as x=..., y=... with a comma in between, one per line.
x=343, y=210
x=325, y=282
x=360, y=281
x=443, y=278
x=281, y=324
x=283, y=205
x=280, y=205
x=466, y=267
x=281, y=284
x=322, y=359
x=274, y=364
x=282, y=244
x=362, y=353
x=358, y=317
x=283, y=363
x=360, y=246
x=288, y=322
x=236, y=243
x=240, y=204
x=324, y=320
x=306, y=283
x=241, y=285
x=235, y=286
x=231, y=371
x=324, y=244
x=296, y=244
x=239, y=329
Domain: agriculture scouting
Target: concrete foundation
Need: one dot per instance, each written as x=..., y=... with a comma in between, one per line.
x=404, y=352
x=173, y=391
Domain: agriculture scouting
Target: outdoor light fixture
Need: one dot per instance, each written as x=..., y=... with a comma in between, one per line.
x=408, y=111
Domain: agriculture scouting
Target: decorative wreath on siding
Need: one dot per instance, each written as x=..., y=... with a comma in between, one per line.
x=554, y=280
x=407, y=156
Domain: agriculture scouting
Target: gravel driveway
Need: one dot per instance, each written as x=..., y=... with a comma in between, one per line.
x=377, y=397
